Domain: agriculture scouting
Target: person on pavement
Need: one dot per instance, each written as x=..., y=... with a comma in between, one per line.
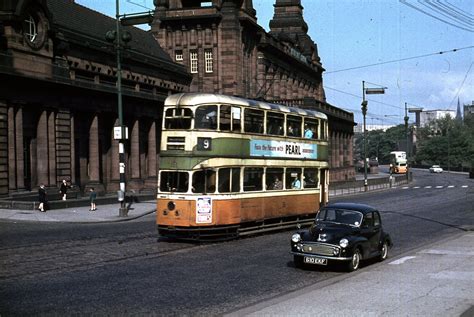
x=92, y=198
x=42, y=198
x=63, y=189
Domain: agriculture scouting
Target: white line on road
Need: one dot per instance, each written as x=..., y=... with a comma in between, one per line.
x=402, y=260
x=428, y=186
x=439, y=186
x=405, y=187
x=464, y=186
x=416, y=187
x=451, y=186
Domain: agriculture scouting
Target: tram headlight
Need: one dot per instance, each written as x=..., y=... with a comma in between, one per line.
x=171, y=205
x=344, y=243
x=296, y=238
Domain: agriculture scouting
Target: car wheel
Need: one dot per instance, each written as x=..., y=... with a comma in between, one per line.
x=355, y=261
x=298, y=260
x=384, y=251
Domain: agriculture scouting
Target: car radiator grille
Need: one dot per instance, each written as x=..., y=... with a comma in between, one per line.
x=321, y=249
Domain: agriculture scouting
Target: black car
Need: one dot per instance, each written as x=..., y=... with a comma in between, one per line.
x=342, y=233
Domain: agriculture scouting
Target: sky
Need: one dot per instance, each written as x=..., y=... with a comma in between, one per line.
x=422, y=54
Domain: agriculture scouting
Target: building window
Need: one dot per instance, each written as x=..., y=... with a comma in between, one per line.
x=31, y=29
x=208, y=60
x=194, y=61
x=179, y=55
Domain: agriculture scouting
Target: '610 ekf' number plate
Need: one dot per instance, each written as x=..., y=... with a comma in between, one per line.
x=319, y=261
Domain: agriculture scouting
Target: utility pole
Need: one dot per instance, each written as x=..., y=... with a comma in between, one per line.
x=121, y=132
x=372, y=91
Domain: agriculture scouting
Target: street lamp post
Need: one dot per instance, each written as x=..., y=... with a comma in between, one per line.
x=368, y=91
x=121, y=132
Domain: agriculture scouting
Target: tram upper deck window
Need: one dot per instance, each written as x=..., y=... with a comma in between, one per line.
x=275, y=123
x=174, y=181
x=253, y=121
x=322, y=133
x=206, y=117
x=293, y=126
x=311, y=129
x=230, y=118
x=178, y=118
x=229, y=180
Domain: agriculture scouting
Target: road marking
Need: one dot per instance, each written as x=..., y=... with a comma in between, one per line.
x=428, y=186
x=451, y=186
x=447, y=252
x=402, y=260
x=464, y=186
x=416, y=187
x=405, y=187
x=439, y=186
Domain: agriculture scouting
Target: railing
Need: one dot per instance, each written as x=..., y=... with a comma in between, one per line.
x=354, y=187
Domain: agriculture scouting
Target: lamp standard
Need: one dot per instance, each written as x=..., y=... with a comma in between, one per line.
x=121, y=132
x=368, y=91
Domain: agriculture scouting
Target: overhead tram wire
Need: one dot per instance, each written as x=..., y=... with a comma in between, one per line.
x=454, y=11
x=359, y=97
x=462, y=84
x=435, y=17
x=400, y=60
x=445, y=13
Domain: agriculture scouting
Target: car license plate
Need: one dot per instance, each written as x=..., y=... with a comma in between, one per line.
x=311, y=260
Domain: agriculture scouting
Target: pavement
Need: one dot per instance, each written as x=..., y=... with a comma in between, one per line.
x=104, y=213
x=435, y=280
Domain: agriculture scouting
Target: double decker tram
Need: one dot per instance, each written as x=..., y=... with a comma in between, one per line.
x=231, y=166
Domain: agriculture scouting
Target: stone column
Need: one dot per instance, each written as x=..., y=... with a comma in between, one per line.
x=73, y=150
x=52, y=148
x=135, y=150
x=94, y=151
x=20, y=154
x=12, y=163
x=151, y=181
x=42, y=152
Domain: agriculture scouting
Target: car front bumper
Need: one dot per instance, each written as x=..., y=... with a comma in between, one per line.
x=336, y=258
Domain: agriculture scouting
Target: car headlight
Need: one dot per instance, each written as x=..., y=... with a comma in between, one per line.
x=296, y=238
x=344, y=243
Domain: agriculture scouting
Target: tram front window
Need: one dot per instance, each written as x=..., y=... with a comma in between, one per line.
x=204, y=181
x=206, y=117
x=174, y=182
x=178, y=118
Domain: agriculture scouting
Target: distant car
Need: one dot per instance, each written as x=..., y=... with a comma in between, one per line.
x=341, y=233
x=436, y=169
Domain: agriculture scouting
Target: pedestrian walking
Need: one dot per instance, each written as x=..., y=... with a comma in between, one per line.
x=63, y=189
x=43, y=200
x=92, y=198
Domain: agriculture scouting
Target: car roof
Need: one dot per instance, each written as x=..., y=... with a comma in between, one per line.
x=352, y=206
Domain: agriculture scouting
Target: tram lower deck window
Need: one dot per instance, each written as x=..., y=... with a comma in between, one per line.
x=253, y=179
x=174, y=181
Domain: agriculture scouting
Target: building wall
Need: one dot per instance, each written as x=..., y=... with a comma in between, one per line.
x=58, y=101
x=280, y=66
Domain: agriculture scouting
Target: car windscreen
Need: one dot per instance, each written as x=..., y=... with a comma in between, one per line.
x=341, y=216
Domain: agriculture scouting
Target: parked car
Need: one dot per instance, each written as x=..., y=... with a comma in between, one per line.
x=341, y=233
x=436, y=169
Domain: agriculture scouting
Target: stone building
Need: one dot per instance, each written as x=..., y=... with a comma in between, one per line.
x=58, y=98
x=227, y=52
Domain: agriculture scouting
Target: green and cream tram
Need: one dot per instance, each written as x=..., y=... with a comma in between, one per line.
x=231, y=166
